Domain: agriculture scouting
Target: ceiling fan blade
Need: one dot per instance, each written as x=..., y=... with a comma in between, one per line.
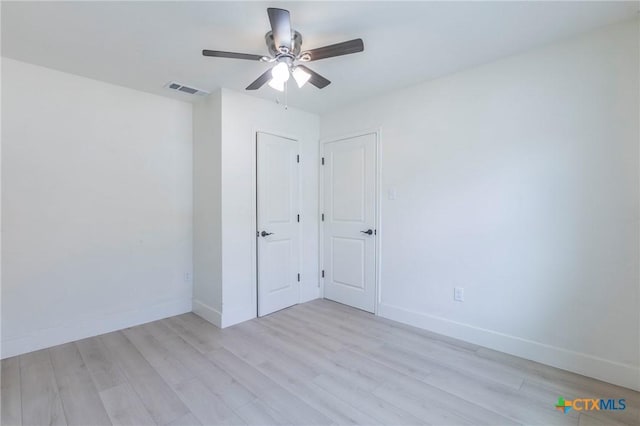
x=260, y=81
x=338, y=49
x=233, y=55
x=316, y=79
x=280, y=26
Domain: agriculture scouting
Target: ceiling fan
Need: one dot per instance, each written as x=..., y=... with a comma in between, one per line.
x=285, y=49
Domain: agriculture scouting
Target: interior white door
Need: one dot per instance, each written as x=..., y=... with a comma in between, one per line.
x=349, y=252
x=278, y=231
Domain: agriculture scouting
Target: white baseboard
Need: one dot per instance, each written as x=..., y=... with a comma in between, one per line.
x=207, y=312
x=609, y=371
x=113, y=321
x=237, y=316
x=223, y=319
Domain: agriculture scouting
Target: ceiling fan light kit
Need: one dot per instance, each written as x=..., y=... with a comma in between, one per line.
x=280, y=72
x=300, y=76
x=276, y=84
x=285, y=48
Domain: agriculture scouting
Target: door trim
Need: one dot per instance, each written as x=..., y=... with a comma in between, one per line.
x=377, y=132
x=254, y=207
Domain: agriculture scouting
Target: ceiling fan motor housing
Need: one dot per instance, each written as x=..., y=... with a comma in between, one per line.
x=296, y=44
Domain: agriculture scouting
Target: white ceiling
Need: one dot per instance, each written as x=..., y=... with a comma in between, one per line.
x=143, y=45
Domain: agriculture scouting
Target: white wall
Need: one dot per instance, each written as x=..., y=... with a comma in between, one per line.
x=517, y=180
x=241, y=117
x=96, y=207
x=207, y=210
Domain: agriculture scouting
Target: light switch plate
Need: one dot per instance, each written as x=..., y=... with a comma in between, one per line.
x=458, y=294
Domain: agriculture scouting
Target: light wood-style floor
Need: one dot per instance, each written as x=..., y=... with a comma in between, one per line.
x=312, y=364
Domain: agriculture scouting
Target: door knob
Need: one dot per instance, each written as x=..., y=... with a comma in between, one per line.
x=265, y=233
x=368, y=232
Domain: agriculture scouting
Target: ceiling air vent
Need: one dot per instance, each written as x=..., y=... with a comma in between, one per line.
x=185, y=89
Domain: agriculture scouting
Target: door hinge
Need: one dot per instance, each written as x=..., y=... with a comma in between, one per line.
x=298, y=158
x=298, y=276
x=375, y=232
x=323, y=161
x=323, y=273
x=298, y=218
x=323, y=217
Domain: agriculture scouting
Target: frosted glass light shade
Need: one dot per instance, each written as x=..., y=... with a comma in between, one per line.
x=280, y=72
x=301, y=76
x=277, y=84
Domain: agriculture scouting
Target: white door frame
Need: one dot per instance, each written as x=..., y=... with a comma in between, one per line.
x=254, y=207
x=377, y=132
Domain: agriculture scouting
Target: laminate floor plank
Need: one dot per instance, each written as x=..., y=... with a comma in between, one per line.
x=334, y=329
x=124, y=407
x=186, y=420
x=297, y=411
x=439, y=352
x=486, y=394
x=158, y=329
x=344, y=317
x=80, y=399
x=259, y=414
x=317, y=397
x=245, y=348
x=318, y=363
x=274, y=349
x=170, y=368
x=11, y=406
x=156, y=395
x=420, y=409
x=104, y=372
x=434, y=405
x=290, y=408
x=499, y=399
x=203, y=337
x=588, y=420
x=41, y=403
x=406, y=363
x=207, y=407
x=217, y=381
x=287, y=323
x=384, y=412
x=261, y=386
x=240, y=370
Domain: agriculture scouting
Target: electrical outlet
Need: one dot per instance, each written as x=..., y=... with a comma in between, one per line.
x=187, y=276
x=458, y=294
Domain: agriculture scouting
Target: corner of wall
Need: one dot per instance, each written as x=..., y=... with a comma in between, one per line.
x=207, y=219
x=236, y=316
x=207, y=312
